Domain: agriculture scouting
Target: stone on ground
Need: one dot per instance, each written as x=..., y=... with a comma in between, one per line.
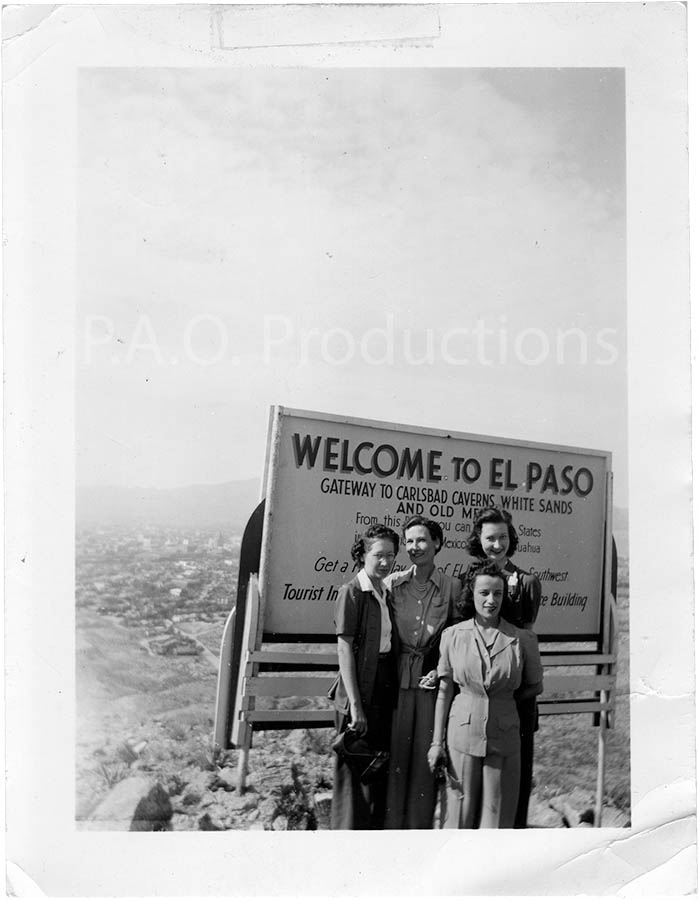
x=134, y=804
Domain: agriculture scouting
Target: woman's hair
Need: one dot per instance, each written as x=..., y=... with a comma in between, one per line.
x=374, y=533
x=490, y=516
x=465, y=607
x=434, y=528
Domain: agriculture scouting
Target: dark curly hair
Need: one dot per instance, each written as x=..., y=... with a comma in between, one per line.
x=492, y=515
x=434, y=528
x=373, y=533
x=465, y=607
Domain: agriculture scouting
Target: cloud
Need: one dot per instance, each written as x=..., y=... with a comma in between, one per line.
x=337, y=198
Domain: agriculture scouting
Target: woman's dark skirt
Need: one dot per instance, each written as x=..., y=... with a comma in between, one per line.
x=358, y=806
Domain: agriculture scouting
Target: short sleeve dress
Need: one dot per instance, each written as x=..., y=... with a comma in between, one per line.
x=421, y=613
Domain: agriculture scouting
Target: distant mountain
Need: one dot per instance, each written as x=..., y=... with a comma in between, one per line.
x=227, y=505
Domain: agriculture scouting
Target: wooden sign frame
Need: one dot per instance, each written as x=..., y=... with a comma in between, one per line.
x=369, y=427
x=249, y=669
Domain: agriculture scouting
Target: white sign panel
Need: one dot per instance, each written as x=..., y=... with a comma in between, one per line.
x=329, y=478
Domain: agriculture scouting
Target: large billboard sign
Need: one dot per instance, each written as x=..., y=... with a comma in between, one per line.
x=328, y=478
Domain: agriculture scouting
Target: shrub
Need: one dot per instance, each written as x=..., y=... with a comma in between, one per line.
x=113, y=773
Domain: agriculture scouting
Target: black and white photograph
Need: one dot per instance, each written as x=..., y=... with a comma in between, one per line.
x=441, y=248
x=357, y=445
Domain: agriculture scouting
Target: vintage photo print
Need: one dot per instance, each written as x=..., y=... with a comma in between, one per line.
x=313, y=313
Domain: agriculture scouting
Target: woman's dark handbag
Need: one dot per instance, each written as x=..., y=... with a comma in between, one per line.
x=358, y=755
x=440, y=810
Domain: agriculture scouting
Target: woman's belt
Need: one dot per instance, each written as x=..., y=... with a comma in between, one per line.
x=409, y=657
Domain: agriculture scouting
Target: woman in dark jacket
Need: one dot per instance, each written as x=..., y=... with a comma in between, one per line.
x=367, y=688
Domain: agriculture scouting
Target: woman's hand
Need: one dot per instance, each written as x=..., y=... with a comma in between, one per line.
x=436, y=757
x=358, y=720
x=429, y=682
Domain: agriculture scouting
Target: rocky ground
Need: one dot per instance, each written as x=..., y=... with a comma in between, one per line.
x=145, y=728
x=288, y=788
x=145, y=759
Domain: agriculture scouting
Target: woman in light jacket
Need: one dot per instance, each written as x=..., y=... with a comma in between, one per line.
x=494, y=537
x=476, y=731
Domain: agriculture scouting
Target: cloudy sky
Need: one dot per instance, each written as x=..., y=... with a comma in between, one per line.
x=408, y=245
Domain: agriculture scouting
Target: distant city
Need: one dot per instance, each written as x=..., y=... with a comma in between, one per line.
x=165, y=562
x=157, y=579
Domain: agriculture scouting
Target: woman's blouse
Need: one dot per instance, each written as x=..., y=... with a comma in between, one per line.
x=483, y=717
x=521, y=606
x=420, y=612
x=366, y=585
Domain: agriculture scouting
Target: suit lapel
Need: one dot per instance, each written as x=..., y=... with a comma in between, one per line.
x=506, y=636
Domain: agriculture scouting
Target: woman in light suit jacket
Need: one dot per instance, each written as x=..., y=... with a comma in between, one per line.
x=494, y=537
x=476, y=731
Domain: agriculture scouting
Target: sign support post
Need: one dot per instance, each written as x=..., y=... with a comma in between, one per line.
x=244, y=702
x=601, y=755
x=232, y=640
x=608, y=647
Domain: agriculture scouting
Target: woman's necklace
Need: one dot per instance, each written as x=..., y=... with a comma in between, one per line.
x=421, y=587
